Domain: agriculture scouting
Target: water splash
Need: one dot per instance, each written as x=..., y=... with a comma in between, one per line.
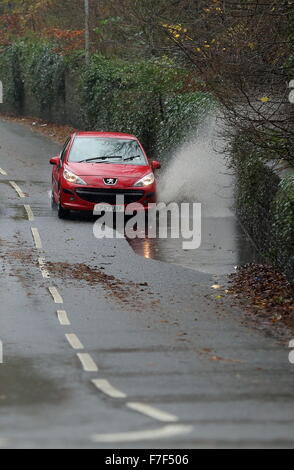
x=198, y=172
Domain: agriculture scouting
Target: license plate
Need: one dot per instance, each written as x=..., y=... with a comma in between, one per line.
x=107, y=208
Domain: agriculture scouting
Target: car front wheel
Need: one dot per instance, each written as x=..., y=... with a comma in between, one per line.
x=62, y=213
x=53, y=202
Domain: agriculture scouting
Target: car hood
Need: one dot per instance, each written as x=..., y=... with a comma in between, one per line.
x=108, y=170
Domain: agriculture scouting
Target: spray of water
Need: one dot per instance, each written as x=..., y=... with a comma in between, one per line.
x=198, y=173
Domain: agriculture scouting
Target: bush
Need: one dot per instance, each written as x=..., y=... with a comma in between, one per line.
x=126, y=97
x=151, y=99
x=265, y=205
x=12, y=76
x=182, y=114
x=44, y=72
x=283, y=226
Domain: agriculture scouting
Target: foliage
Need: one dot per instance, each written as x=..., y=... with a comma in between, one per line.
x=143, y=98
x=11, y=75
x=153, y=99
x=265, y=205
x=182, y=115
x=283, y=225
x=44, y=73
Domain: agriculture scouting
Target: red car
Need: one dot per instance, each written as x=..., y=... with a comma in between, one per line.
x=96, y=167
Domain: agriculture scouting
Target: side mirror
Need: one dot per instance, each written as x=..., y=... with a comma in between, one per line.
x=155, y=165
x=55, y=161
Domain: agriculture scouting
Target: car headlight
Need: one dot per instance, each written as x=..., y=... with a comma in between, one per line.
x=72, y=178
x=146, y=181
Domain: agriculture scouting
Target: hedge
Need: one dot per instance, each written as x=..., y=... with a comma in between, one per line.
x=265, y=205
x=149, y=99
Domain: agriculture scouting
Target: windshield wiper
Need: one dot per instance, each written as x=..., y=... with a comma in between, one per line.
x=112, y=157
x=132, y=158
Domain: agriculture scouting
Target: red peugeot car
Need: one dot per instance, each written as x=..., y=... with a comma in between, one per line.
x=97, y=167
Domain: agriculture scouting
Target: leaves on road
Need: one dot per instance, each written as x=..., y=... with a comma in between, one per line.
x=266, y=291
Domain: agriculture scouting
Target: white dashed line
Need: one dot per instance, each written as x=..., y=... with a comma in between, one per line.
x=87, y=362
x=44, y=271
x=2, y=172
x=105, y=387
x=63, y=318
x=17, y=189
x=150, y=435
x=55, y=294
x=74, y=341
x=37, y=238
x=153, y=412
x=29, y=213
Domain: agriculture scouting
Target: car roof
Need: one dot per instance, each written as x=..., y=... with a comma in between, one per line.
x=111, y=135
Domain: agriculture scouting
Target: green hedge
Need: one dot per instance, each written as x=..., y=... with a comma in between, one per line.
x=283, y=226
x=149, y=99
x=142, y=98
x=265, y=205
x=35, y=67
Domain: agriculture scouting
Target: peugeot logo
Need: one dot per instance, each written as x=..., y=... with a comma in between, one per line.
x=110, y=181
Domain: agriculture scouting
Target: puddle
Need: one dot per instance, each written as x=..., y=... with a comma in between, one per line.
x=197, y=173
x=224, y=246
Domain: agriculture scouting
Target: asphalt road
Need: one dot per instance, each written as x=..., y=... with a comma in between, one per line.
x=140, y=353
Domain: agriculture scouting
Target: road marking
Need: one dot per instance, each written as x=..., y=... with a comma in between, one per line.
x=2, y=172
x=87, y=362
x=17, y=189
x=105, y=387
x=29, y=213
x=74, y=341
x=153, y=412
x=63, y=318
x=37, y=238
x=55, y=294
x=151, y=435
x=44, y=271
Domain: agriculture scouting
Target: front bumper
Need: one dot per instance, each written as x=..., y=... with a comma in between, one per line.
x=85, y=198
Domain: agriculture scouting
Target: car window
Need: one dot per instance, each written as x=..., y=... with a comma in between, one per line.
x=109, y=150
x=62, y=155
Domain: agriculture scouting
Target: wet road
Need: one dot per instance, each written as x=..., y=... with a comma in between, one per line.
x=197, y=172
x=103, y=348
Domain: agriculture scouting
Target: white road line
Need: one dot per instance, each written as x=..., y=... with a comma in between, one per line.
x=37, y=238
x=105, y=387
x=63, y=318
x=29, y=213
x=150, y=435
x=87, y=362
x=2, y=172
x=17, y=189
x=55, y=294
x=153, y=412
x=74, y=341
x=44, y=271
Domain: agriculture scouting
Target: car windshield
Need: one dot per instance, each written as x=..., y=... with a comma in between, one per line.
x=106, y=150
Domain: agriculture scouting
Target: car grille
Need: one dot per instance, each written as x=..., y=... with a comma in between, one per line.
x=108, y=196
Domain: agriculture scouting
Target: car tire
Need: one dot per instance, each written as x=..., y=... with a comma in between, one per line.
x=62, y=213
x=53, y=202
